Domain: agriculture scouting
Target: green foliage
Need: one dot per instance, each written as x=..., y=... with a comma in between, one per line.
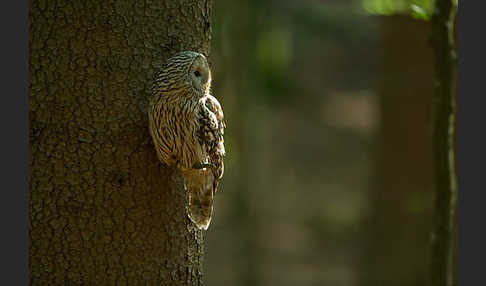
x=419, y=9
x=274, y=52
x=419, y=12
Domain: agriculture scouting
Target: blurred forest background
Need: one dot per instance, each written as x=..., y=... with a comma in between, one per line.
x=329, y=170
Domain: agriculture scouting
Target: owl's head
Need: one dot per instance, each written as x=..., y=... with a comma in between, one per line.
x=185, y=70
x=199, y=74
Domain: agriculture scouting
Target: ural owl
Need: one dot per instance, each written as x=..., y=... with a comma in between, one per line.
x=186, y=125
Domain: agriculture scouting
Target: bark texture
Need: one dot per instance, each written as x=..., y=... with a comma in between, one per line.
x=103, y=210
x=444, y=240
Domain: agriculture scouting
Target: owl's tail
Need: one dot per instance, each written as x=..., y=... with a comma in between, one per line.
x=199, y=184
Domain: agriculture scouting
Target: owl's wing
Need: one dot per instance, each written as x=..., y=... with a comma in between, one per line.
x=213, y=126
x=213, y=105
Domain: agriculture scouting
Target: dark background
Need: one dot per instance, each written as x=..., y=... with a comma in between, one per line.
x=328, y=176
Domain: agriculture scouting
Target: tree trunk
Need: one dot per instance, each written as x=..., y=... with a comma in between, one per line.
x=398, y=242
x=445, y=231
x=103, y=210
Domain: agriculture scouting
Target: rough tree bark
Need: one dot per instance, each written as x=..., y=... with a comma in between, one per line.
x=445, y=231
x=103, y=210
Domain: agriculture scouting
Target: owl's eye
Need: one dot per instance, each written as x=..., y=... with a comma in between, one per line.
x=197, y=73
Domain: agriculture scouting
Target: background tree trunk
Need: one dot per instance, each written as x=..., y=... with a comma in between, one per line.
x=398, y=236
x=103, y=210
x=444, y=249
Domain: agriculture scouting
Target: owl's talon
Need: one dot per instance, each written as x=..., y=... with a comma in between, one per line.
x=199, y=165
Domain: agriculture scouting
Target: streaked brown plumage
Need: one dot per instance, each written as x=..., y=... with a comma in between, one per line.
x=187, y=127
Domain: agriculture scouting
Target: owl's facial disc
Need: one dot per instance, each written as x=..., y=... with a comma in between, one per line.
x=200, y=75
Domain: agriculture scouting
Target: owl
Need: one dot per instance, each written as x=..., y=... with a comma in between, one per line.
x=187, y=127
